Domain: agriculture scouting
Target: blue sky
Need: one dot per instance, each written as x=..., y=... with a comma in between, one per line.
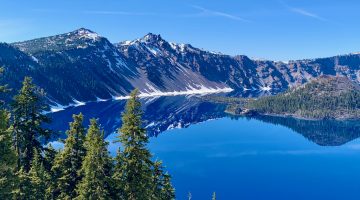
x=268, y=29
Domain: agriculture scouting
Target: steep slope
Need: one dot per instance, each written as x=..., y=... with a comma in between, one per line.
x=83, y=66
x=162, y=68
x=80, y=65
x=162, y=63
x=177, y=66
x=17, y=65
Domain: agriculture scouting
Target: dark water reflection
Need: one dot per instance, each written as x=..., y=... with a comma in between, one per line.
x=321, y=132
x=160, y=113
x=261, y=157
x=164, y=113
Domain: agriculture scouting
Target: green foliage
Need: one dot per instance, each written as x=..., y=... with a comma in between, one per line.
x=158, y=180
x=38, y=178
x=8, y=157
x=84, y=168
x=49, y=157
x=167, y=191
x=162, y=183
x=136, y=176
x=28, y=108
x=97, y=167
x=69, y=161
x=22, y=189
x=3, y=88
x=134, y=168
x=318, y=99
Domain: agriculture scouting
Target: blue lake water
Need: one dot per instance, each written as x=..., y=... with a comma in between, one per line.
x=241, y=158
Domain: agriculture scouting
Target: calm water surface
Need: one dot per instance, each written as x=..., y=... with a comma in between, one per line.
x=262, y=158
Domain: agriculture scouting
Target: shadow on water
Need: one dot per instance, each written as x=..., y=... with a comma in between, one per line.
x=163, y=113
x=321, y=132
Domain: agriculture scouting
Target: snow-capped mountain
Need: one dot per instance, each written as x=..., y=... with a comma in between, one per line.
x=161, y=67
x=83, y=66
x=80, y=65
x=163, y=61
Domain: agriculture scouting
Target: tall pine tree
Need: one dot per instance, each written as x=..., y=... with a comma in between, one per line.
x=97, y=167
x=23, y=188
x=8, y=157
x=38, y=178
x=66, y=169
x=167, y=190
x=49, y=157
x=134, y=166
x=28, y=108
x=163, y=189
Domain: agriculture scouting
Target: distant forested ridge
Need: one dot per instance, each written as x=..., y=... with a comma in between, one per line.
x=326, y=97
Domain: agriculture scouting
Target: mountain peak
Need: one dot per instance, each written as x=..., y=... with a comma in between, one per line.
x=86, y=33
x=80, y=38
x=151, y=37
x=84, y=29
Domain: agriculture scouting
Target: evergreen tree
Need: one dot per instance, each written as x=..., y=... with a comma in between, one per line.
x=48, y=161
x=53, y=190
x=8, y=157
x=117, y=176
x=167, y=191
x=134, y=167
x=162, y=183
x=158, y=180
x=23, y=189
x=38, y=178
x=28, y=108
x=49, y=157
x=2, y=87
x=66, y=169
x=97, y=167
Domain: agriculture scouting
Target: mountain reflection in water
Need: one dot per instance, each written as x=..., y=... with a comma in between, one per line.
x=163, y=113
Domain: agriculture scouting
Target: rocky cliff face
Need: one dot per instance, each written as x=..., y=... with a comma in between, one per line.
x=83, y=66
x=160, y=60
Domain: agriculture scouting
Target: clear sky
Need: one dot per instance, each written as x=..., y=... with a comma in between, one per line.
x=268, y=29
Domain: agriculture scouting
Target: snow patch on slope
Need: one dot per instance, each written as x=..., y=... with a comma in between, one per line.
x=265, y=88
x=78, y=103
x=152, y=92
x=57, y=108
x=154, y=50
x=88, y=34
x=34, y=59
x=177, y=46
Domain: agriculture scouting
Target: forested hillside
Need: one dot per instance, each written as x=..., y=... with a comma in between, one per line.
x=83, y=169
x=325, y=97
